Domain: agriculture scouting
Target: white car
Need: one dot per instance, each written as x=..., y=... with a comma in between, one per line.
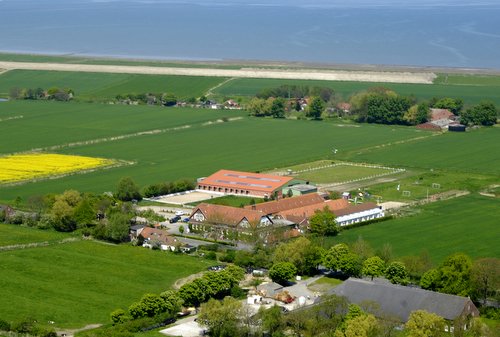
x=179, y=213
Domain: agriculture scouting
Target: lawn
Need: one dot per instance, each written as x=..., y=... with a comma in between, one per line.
x=248, y=144
x=467, y=224
x=231, y=200
x=16, y=235
x=341, y=173
x=80, y=283
x=106, y=86
x=470, y=88
x=477, y=151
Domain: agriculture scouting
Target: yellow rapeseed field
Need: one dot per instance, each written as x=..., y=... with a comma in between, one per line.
x=20, y=167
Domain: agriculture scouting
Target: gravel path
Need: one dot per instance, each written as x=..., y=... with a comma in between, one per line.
x=302, y=74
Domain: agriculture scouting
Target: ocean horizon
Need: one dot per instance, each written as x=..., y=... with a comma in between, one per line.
x=443, y=33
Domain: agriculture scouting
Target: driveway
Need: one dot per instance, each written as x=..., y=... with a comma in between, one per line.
x=186, y=327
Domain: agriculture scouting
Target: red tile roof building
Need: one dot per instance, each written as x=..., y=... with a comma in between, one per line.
x=244, y=183
x=276, y=206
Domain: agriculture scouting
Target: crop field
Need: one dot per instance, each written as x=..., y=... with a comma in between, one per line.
x=180, y=152
x=104, y=86
x=16, y=235
x=81, y=282
x=28, y=125
x=466, y=224
x=21, y=167
x=471, y=89
x=477, y=151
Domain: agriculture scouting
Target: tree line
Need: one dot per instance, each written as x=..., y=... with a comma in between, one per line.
x=376, y=105
x=53, y=93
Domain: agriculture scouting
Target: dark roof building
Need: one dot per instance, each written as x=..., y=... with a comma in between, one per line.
x=400, y=301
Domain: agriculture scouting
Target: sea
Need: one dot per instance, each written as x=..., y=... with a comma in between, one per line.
x=421, y=33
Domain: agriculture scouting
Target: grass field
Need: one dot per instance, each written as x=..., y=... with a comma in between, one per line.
x=471, y=89
x=230, y=200
x=467, y=224
x=190, y=152
x=103, y=86
x=79, y=283
x=341, y=173
x=17, y=235
x=477, y=151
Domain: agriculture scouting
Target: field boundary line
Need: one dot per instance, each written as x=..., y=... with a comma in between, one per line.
x=37, y=244
x=11, y=118
x=210, y=90
x=298, y=74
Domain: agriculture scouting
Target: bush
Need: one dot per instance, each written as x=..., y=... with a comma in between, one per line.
x=211, y=256
x=4, y=325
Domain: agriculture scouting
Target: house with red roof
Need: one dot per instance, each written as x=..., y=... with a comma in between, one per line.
x=245, y=183
x=153, y=237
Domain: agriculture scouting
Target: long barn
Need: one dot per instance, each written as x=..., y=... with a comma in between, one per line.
x=245, y=183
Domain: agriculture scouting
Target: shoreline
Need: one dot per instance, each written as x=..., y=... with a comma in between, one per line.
x=252, y=64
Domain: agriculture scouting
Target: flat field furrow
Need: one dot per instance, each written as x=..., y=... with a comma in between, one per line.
x=81, y=282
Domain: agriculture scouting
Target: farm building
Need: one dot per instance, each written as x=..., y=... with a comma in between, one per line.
x=276, y=206
x=227, y=222
x=299, y=189
x=358, y=213
x=153, y=237
x=245, y=183
x=400, y=301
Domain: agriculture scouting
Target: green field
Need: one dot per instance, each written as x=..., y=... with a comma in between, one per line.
x=230, y=200
x=79, y=283
x=104, y=86
x=471, y=89
x=17, y=235
x=467, y=224
x=477, y=151
x=192, y=152
x=341, y=173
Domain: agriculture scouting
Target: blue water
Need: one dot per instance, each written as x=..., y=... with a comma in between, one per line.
x=449, y=33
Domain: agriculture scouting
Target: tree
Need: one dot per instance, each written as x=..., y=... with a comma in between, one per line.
x=424, y=324
x=485, y=113
x=272, y=320
x=221, y=317
x=119, y=316
x=334, y=255
x=281, y=272
x=454, y=275
x=194, y=293
x=84, y=213
x=303, y=253
x=454, y=105
x=169, y=99
x=323, y=222
x=396, y=273
x=361, y=326
x=15, y=93
x=315, y=108
x=373, y=267
x=172, y=301
x=278, y=108
x=127, y=190
x=117, y=228
x=485, y=277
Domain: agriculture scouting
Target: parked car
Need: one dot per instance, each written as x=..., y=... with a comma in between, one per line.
x=185, y=220
x=179, y=213
x=175, y=219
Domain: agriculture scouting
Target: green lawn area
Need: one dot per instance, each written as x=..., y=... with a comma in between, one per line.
x=80, y=283
x=472, y=89
x=421, y=183
x=230, y=200
x=477, y=151
x=16, y=235
x=324, y=284
x=341, y=173
x=105, y=86
x=467, y=224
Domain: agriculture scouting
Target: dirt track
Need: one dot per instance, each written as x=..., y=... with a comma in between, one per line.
x=300, y=74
